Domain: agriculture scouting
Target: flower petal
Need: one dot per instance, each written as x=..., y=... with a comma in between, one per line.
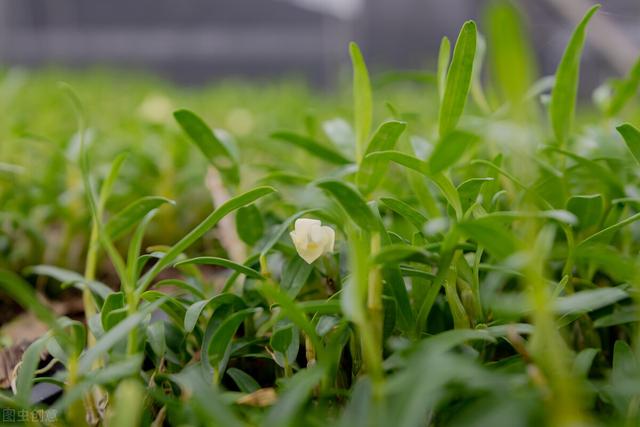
x=330, y=238
x=303, y=226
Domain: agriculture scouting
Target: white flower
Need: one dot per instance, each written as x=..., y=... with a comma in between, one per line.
x=312, y=239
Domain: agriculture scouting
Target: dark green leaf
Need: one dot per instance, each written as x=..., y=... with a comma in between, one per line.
x=223, y=336
x=249, y=224
x=285, y=412
x=244, y=381
x=214, y=150
x=588, y=209
x=121, y=222
x=195, y=310
x=351, y=201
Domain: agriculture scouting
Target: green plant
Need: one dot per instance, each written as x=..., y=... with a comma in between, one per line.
x=484, y=271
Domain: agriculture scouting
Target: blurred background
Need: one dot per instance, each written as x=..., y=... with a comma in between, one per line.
x=196, y=41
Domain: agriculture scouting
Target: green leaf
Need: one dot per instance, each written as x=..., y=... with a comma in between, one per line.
x=281, y=338
x=372, y=170
x=492, y=234
x=214, y=149
x=298, y=390
x=447, y=340
x=394, y=253
x=294, y=312
x=67, y=276
x=351, y=201
x=625, y=90
x=189, y=287
x=111, y=373
x=249, y=224
x=416, y=218
x=107, y=185
x=114, y=301
x=588, y=209
x=312, y=147
x=115, y=335
x=362, y=100
x=458, y=79
x=72, y=336
x=320, y=306
x=128, y=405
x=195, y=310
x=121, y=222
x=625, y=362
x=22, y=293
x=583, y=361
x=209, y=222
x=450, y=148
x=28, y=366
x=446, y=186
x=565, y=90
x=403, y=159
x=607, y=233
x=604, y=175
x=134, y=263
x=210, y=260
x=469, y=191
x=625, y=314
x=206, y=399
x=295, y=274
x=449, y=191
x=444, y=55
x=631, y=137
x=511, y=54
x=589, y=300
x=244, y=381
x=222, y=337
x=175, y=308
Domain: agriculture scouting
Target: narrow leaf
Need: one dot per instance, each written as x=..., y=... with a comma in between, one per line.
x=121, y=222
x=210, y=260
x=631, y=137
x=214, y=150
x=362, y=100
x=209, y=222
x=450, y=148
x=312, y=147
x=565, y=90
x=626, y=90
x=458, y=78
x=372, y=170
x=444, y=56
x=351, y=201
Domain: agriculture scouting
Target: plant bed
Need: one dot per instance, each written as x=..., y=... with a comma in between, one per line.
x=473, y=265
